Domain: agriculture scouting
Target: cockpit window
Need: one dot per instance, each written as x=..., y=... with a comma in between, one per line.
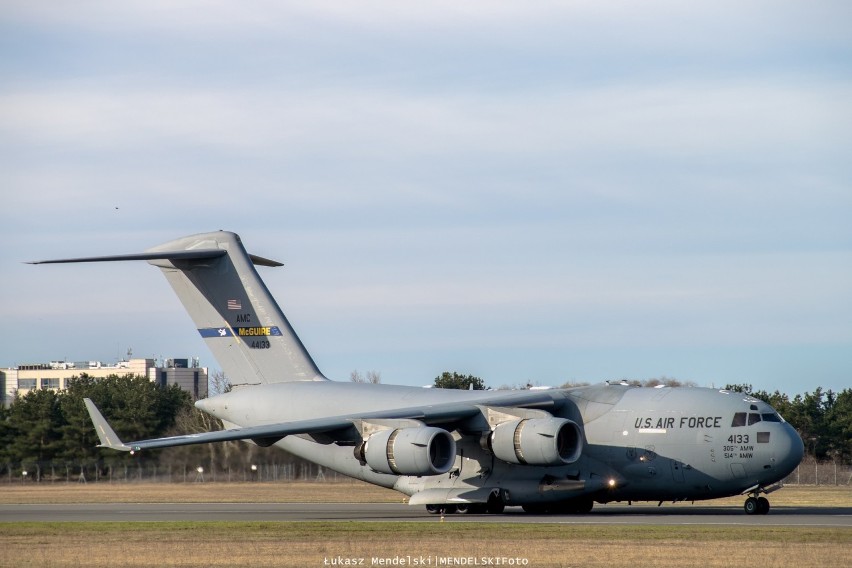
x=743, y=418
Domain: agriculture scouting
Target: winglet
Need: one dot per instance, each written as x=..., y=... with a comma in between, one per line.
x=106, y=434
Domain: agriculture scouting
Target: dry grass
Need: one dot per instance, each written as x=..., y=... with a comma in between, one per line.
x=307, y=544
x=309, y=492
x=295, y=492
x=318, y=544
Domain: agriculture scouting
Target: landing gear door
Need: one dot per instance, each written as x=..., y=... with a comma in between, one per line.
x=677, y=471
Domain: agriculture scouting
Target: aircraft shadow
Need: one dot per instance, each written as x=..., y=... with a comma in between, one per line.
x=683, y=510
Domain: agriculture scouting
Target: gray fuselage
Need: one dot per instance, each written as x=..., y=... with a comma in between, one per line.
x=638, y=443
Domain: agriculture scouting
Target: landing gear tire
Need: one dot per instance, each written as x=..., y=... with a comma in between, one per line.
x=576, y=506
x=756, y=506
x=585, y=506
x=495, y=505
x=471, y=508
x=445, y=509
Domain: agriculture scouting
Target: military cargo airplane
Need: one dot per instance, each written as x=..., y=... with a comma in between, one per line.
x=548, y=451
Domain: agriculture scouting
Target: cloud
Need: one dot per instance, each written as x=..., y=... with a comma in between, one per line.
x=446, y=176
x=680, y=121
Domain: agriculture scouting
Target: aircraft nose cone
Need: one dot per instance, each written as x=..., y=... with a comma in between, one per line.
x=792, y=451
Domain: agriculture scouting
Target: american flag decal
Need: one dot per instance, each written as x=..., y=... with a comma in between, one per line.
x=235, y=305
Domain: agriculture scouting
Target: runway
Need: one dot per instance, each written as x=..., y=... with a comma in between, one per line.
x=390, y=512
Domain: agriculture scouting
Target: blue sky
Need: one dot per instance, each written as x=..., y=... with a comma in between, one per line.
x=566, y=191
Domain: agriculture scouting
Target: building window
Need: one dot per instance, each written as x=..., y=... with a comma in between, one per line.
x=50, y=383
x=195, y=384
x=164, y=378
x=27, y=384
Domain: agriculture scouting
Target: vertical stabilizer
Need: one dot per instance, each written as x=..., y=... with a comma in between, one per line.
x=234, y=311
x=215, y=278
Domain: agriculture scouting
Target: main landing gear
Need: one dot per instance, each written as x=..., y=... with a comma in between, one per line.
x=465, y=508
x=494, y=506
x=577, y=506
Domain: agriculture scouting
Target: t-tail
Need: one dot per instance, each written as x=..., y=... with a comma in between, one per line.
x=216, y=280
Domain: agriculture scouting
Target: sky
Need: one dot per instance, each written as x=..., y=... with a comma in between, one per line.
x=529, y=193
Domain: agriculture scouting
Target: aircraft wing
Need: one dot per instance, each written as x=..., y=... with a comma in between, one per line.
x=109, y=439
x=432, y=414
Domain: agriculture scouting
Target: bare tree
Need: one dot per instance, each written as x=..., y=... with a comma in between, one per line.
x=219, y=383
x=372, y=377
x=218, y=455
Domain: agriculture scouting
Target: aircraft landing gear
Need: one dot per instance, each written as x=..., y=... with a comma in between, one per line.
x=493, y=506
x=756, y=506
x=577, y=506
x=461, y=508
x=436, y=509
x=471, y=508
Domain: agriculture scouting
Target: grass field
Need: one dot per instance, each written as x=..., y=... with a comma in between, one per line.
x=267, y=544
x=306, y=544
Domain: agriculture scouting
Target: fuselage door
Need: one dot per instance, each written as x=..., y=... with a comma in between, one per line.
x=738, y=470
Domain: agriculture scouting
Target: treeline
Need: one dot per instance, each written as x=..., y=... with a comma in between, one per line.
x=47, y=426
x=51, y=428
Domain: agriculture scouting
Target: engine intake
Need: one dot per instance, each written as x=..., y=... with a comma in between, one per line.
x=537, y=441
x=410, y=451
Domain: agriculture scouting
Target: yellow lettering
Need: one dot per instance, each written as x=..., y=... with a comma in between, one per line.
x=255, y=331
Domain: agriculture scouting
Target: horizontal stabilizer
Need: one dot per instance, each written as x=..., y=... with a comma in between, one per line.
x=163, y=255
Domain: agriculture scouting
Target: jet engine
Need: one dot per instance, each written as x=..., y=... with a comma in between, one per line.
x=410, y=451
x=537, y=441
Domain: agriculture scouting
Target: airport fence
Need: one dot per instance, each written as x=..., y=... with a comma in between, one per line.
x=813, y=472
x=809, y=472
x=51, y=472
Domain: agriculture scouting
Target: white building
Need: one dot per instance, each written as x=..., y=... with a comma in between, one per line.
x=19, y=380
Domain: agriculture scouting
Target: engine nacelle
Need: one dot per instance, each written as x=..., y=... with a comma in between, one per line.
x=537, y=441
x=410, y=451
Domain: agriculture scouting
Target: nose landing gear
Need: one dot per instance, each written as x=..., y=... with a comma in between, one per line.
x=755, y=504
